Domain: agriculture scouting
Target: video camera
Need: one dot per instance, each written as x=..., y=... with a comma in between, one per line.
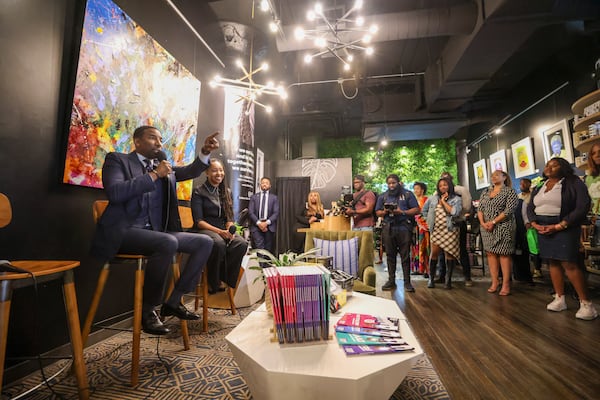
x=390, y=207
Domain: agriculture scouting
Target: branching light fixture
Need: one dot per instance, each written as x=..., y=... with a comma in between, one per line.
x=252, y=90
x=337, y=37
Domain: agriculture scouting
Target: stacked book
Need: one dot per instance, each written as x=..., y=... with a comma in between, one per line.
x=368, y=334
x=300, y=299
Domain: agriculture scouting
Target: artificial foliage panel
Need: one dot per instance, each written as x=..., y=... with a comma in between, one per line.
x=412, y=161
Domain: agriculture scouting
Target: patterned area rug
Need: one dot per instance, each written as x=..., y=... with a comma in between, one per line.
x=206, y=371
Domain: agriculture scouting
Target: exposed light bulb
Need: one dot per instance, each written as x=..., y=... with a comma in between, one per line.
x=273, y=26
x=358, y=4
x=264, y=66
x=308, y=58
x=373, y=29
x=369, y=51
x=367, y=38
x=318, y=8
x=384, y=142
x=264, y=5
x=498, y=131
x=346, y=67
x=350, y=58
x=360, y=21
x=310, y=15
x=239, y=63
x=299, y=33
x=320, y=42
x=269, y=109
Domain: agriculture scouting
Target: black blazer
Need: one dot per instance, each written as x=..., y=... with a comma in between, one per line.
x=125, y=183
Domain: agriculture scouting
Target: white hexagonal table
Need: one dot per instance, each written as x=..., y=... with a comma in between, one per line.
x=320, y=370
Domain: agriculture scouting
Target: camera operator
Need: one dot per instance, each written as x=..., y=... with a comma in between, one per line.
x=362, y=205
x=398, y=208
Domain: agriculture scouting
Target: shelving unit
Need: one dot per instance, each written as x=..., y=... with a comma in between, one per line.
x=585, y=145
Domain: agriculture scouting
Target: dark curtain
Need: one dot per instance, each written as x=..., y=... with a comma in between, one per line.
x=292, y=193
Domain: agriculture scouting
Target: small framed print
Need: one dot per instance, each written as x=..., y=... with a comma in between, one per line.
x=498, y=161
x=481, y=174
x=557, y=141
x=523, y=162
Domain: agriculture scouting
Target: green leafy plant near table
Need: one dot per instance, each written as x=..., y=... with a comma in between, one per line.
x=286, y=259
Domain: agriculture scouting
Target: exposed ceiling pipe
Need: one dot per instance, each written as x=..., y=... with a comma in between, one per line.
x=450, y=21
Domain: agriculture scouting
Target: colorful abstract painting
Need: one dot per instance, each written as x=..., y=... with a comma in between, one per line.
x=126, y=79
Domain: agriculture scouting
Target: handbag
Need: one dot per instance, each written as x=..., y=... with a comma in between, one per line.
x=532, y=241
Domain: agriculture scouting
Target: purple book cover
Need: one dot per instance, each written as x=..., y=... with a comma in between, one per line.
x=366, y=331
x=367, y=349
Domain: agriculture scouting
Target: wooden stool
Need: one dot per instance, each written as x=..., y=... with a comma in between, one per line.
x=98, y=208
x=45, y=271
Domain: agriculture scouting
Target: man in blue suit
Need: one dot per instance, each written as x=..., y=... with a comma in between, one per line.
x=263, y=211
x=142, y=217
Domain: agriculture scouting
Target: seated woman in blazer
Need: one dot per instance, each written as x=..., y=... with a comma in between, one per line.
x=212, y=209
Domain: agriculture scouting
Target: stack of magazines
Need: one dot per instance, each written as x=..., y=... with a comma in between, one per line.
x=300, y=298
x=367, y=334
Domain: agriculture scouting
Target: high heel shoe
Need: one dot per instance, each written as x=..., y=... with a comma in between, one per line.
x=492, y=289
x=504, y=292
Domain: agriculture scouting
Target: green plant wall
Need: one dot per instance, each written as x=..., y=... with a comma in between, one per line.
x=412, y=161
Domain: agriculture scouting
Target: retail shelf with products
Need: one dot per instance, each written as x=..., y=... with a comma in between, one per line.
x=585, y=101
x=585, y=145
x=583, y=123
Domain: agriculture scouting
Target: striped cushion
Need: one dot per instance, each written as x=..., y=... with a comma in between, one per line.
x=344, y=253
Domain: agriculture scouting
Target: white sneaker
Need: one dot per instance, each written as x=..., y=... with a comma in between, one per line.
x=558, y=304
x=586, y=311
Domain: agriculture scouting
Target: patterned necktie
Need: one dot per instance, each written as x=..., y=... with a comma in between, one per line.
x=149, y=164
x=263, y=206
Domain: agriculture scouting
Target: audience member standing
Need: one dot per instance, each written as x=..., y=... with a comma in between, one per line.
x=313, y=212
x=439, y=210
x=212, y=209
x=496, y=216
x=420, y=249
x=363, y=204
x=398, y=207
x=461, y=221
x=556, y=210
x=521, y=258
x=525, y=195
x=592, y=181
x=263, y=211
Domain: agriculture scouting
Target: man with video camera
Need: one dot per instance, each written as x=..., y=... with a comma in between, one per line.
x=398, y=208
x=362, y=205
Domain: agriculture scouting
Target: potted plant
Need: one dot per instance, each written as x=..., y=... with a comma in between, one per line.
x=287, y=259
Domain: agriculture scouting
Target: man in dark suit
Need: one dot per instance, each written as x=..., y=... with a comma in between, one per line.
x=263, y=211
x=142, y=217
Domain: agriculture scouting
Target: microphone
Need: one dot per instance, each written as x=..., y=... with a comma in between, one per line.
x=232, y=230
x=161, y=156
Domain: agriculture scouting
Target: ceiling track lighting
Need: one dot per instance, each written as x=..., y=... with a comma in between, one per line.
x=337, y=37
x=252, y=90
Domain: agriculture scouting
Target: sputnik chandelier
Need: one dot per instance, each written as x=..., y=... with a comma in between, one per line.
x=250, y=89
x=339, y=37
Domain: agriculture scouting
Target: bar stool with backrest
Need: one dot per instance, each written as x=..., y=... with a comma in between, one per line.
x=187, y=222
x=43, y=271
x=98, y=208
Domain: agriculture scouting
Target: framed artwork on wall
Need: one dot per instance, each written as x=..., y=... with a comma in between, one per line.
x=481, y=174
x=498, y=161
x=557, y=141
x=126, y=79
x=523, y=162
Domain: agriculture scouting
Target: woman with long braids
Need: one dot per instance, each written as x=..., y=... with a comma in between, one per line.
x=212, y=209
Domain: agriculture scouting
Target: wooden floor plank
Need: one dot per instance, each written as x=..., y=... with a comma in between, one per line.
x=486, y=346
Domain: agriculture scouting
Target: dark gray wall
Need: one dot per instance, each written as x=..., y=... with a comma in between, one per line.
x=40, y=42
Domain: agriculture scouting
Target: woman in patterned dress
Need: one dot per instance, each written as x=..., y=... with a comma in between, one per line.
x=438, y=210
x=498, y=228
x=420, y=250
